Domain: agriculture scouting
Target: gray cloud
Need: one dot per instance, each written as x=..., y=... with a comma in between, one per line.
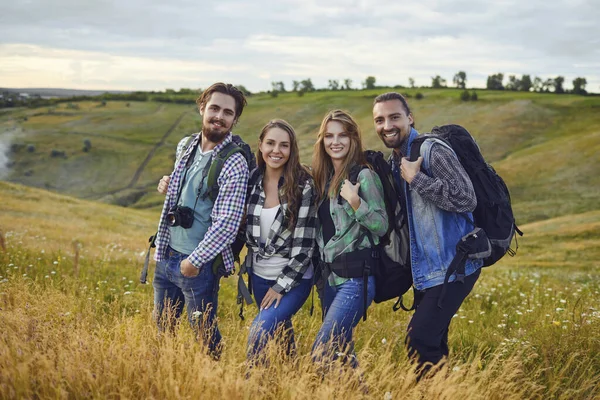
x=295, y=39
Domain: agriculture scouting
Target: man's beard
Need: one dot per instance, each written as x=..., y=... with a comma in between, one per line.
x=392, y=143
x=214, y=135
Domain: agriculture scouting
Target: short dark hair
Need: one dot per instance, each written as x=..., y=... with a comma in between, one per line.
x=225, y=88
x=394, y=96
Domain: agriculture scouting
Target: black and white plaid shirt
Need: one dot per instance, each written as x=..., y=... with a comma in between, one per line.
x=449, y=187
x=296, y=245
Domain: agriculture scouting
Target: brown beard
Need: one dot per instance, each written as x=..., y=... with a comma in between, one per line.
x=214, y=136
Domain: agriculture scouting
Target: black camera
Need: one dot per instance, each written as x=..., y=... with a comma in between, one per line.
x=180, y=216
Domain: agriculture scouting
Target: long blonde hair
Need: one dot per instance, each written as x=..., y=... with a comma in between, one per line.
x=294, y=174
x=322, y=167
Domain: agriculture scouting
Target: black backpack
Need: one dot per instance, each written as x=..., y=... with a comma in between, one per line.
x=493, y=213
x=393, y=276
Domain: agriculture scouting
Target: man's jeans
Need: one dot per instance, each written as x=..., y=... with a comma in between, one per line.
x=343, y=308
x=270, y=320
x=172, y=290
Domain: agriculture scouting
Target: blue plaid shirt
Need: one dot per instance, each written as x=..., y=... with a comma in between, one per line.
x=226, y=213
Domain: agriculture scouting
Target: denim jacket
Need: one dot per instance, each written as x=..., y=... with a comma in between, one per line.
x=434, y=232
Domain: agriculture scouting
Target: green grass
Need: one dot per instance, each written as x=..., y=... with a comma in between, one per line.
x=544, y=145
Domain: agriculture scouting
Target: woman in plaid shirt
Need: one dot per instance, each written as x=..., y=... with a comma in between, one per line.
x=351, y=217
x=280, y=235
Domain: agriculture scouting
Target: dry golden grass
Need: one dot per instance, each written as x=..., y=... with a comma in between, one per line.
x=83, y=329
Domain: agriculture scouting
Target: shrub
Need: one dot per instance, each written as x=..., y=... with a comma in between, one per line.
x=58, y=153
x=465, y=96
x=419, y=96
x=30, y=148
x=474, y=96
x=87, y=145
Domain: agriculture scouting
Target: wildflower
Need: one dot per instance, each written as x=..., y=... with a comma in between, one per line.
x=556, y=323
x=47, y=276
x=383, y=341
x=559, y=309
x=387, y=396
x=53, y=272
x=196, y=314
x=55, y=262
x=481, y=312
x=127, y=293
x=456, y=369
x=470, y=321
x=24, y=275
x=563, y=301
x=519, y=312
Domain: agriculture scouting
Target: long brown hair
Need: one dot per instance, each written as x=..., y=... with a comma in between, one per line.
x=294, y=174
x=322, y=167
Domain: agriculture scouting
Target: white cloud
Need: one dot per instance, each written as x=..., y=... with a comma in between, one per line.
x=186, y=43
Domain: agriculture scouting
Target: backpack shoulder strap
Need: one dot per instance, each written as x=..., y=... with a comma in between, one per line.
x=185, y=146
x=217, y=165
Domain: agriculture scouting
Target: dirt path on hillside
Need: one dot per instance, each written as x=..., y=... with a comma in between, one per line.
x=144, y=163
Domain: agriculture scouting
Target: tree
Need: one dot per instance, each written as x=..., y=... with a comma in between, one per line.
x=306, y=85
x=579, y=85
x=465, y=96
x=438, y=82
x=474, y=96
x=334, y=84
x=460, y=79
x=243, y=89
x=494, y=82
x=513, y=83
x=558, y=84
x=411, y=82
x=370, y=82
x=278, y=87
x=525, y=84
x=295, y=86
x=348, y=84
x=547, y=84
x=537, y=84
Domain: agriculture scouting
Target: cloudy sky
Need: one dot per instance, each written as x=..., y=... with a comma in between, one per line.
x=153, y=45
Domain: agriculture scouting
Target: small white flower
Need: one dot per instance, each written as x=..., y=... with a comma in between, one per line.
x=456, y=369
x=47, y=276
x=55, y=263
x=127, y=293
x=470, y=321
x=387, y=396
x=196, y=314
x=563, y=301
x=383, y=341
x=53, y=272
x=559, y=309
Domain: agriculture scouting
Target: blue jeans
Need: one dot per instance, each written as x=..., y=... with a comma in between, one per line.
x=343, y=309
x=172, y=291
x=268, y=321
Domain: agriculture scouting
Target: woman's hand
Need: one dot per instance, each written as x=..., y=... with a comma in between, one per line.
x=350, y=193
x=270, y=297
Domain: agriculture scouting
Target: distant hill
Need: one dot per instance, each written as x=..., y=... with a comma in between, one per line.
x=50, y=92
x=544, y=145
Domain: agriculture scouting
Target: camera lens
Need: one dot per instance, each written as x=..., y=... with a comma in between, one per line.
x=171, y=219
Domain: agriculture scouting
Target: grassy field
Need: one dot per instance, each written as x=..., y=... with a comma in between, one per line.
x=76, y=323
x=74, y=329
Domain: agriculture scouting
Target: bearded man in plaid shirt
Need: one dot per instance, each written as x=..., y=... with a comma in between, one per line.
x=185, y=252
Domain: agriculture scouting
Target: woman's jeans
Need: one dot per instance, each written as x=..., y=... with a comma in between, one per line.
x=172, y=290
x=268, y=321
x=343, y=309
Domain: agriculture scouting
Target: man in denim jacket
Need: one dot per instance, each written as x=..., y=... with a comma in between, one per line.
x=436, y=190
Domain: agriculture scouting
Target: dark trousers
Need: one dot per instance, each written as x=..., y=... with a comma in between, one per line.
x=427, y=338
